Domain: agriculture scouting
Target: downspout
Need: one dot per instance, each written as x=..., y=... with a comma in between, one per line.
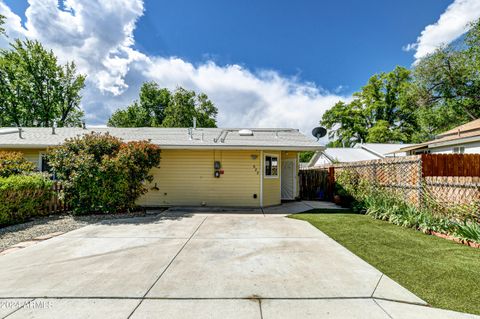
x=261, y=179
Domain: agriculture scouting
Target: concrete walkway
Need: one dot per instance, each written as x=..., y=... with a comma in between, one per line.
x=183, y=265
x=287, y=208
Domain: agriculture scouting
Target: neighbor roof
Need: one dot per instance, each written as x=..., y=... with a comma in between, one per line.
x=466, y=133
x=470, y=126
x=381, y=149
x=278, y=139
x=341, y=155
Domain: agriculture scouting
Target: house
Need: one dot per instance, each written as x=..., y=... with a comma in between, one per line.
x=383, y=150
x=360, y=152
x=334, y=155
x=461, y=139
x=203, y=166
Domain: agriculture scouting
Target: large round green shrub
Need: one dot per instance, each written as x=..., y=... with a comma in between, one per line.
x=100, y=173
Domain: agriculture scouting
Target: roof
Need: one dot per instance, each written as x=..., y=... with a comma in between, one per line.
x=213, y=138
x=470, y=126
x=466, y=133
x=382, y=149
x=410, y=148
x=341, y=155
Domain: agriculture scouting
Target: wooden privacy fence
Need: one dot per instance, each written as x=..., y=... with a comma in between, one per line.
x=450, y=164
x=447, y=183
x=317, y=184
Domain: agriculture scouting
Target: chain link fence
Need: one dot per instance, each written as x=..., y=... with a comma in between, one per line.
x=456, y=197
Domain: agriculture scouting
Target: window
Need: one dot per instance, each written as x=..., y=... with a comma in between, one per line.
x=43, y=165
x=271, y=166
x=459, y=150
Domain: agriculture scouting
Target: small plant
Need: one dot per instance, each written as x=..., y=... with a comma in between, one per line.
x=383, y=204
x=468, y=230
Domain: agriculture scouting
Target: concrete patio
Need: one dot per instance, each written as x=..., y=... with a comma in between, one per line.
x=200, y=265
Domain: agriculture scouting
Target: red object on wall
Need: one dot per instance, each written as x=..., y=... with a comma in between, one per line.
x=222, y=171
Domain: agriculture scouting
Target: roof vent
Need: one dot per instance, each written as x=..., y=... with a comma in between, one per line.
x=245, y=132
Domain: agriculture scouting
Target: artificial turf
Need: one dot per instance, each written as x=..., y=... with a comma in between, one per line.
x=441, y=272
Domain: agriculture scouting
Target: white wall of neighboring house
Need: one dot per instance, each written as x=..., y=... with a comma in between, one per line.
x=470, y=148
x=322, y=160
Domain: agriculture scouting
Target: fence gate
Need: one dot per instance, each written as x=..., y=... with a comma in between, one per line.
x=317, y=184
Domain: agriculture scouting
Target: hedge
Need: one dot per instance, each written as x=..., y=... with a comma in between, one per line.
x=23, y=197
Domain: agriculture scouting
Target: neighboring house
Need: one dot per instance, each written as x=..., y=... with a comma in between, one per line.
x=339, y=155
x=462, y=139
x=256, y=167
x=383, y=150
x=360, y=152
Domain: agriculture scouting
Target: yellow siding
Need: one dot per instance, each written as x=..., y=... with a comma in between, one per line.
x=294, y=155
x=271, y=185
x=186, y=177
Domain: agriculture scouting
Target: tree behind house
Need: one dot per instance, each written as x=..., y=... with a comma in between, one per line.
x=441, y=91
x=381, y=112
x=35, y=90
x=448, y=83
x=159, y=107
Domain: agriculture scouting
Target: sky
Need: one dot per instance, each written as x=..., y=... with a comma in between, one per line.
x=275, y=63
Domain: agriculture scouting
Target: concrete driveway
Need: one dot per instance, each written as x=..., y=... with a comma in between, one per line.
x=186, y=265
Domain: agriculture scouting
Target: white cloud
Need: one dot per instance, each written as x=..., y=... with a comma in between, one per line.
x=98, y=36
x=451, y=25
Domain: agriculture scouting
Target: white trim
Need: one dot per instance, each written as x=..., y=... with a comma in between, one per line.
x=458, y=141
x=280, y=172
x=294, y=179
x=261, y=178
x=297, y=170
x=40, y=160
x=278, y=165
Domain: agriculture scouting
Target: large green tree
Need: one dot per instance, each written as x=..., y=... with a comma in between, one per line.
x=448, y=83
x=35, y=90
x=159, y=107
x=381, y=112
x=440, y=92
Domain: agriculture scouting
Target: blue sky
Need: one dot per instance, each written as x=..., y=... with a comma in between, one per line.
x=332, y=43
x=263, y=63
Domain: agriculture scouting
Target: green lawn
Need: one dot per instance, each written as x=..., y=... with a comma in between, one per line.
x=441, y=272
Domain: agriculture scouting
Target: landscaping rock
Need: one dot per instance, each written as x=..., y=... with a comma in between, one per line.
x=51, y=226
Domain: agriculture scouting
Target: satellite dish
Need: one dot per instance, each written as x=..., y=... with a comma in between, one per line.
x=319, y=132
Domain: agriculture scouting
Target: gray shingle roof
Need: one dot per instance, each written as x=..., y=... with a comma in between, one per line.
x=278, y=139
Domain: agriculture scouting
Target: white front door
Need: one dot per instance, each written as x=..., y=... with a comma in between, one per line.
x=289, y=178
